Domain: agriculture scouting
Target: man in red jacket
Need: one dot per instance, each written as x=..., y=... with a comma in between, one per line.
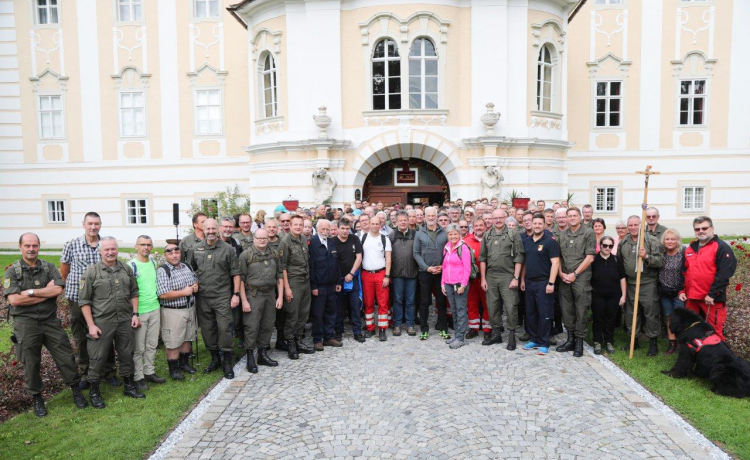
x=708, y=265
x=477, y=296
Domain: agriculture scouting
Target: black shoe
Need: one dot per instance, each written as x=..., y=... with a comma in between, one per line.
x=359, y=338
x=471, y=334
x=653, y=348
x=282, y=345
x=339, y=337
x=264, y=359
x=495, y=338
x=96, y=396
x=184, y=364
x=215, y=362
x=578, y=351
x=228, y=365
x=84, y=384
x=141, y=385
x=369, y=334
x=524, y=337
x=569, y=344
x=636, y=345
x=153, y=378
x=175, y=370
x=511, y=341
x=302, y=347
x=251, y=366
x=292, y=350
x=487, y=335
x=502, y=328
x=381, y=335
x=39, y=409
x=114, y=381
x=131, y=389
x=78, y=399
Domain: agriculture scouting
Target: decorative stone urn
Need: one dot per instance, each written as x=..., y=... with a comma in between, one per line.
x=490, y=119
x=322, y=121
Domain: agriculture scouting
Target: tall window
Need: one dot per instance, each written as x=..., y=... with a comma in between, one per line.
x=208, y=111
x=269, y=86
x=50, y=117
x=46, y=12
x=206, y=8
x=608, y=104
x=544, y=80
x=129, y=10
x=693, y=199
x=132, y=115
x=56, y=211
x=137, y=211
x=386, y=76
x=606, y=199
x=423, y=75
x=692, y=102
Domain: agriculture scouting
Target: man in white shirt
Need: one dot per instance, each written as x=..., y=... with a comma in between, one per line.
x=376, y=273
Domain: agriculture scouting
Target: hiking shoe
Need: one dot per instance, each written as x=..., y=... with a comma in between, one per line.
x=424, y=336
x=456, y=344
x=542, y=351
x=597, y=348
x=610, y=348
x=530, y=346
x=397, y=331
x=444, y=334
x=411, y=331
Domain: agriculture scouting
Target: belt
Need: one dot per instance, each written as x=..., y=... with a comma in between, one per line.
x=176, y=308
x=374, y=271
x=263, y=289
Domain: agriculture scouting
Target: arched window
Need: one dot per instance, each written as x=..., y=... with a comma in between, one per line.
x=268, y=77
x=386, y=76
x=544, y=72
x=423, y=75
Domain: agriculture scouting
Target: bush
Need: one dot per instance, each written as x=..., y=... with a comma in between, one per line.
x=737, y=328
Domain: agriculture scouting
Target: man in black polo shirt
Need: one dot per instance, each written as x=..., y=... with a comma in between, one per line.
x=539, y=274
x=349, y=249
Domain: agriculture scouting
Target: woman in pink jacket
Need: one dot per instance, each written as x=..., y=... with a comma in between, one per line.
x=455, y=282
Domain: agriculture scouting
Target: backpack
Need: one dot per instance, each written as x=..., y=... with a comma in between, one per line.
x=382, y=239
x=474, y=266
x=19, y=271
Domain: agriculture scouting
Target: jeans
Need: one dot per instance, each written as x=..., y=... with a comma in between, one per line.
x=668, y=304
x=349, y=304
x=404, y=291
x=459, y=310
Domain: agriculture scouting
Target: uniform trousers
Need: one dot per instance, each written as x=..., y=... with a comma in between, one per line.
x=215, y=320
x=372, y=287
x=258, y=323
x=80, y=329
x=540, y=309
x=119, y=332
x=716, y=314
x=31, y=335
x=298, y=310
x=428, y=282
x=323, y=313
x=479, y=317
x=575, y=300
x=146, y=342
x=349, y=304
x=646, y=305
x=499, y=294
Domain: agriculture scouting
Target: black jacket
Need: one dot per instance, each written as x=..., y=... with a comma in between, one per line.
x=324, y=263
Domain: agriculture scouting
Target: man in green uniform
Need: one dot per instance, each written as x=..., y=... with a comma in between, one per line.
x=109, y=302
x=588, y=216
x=261, y=294
x=577, y=248
x=501, y=258
x=245, y=236
x=272, y=227
x=31, y=288
x=293, y=254
x=187, y=243
x=215, y=266
x=652, y=223
x=627, y=255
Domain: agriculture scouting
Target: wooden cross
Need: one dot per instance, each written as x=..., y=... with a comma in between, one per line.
x=639, y=263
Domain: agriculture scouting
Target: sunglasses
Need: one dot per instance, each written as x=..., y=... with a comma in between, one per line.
x=701, y=229
x=464, y=226
x=608, y=246
x=170, y=251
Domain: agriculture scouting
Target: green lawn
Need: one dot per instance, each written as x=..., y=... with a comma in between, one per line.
x=726, y=421
x=7, y=259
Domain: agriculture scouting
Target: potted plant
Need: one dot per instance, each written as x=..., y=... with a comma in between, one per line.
x=518, y=200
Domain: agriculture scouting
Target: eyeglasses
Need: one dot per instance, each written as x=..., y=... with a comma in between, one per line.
x=260, y=239
x=651, y=217
x=701, y=229
x=608, y=246
x=170, y=251
x=285, y=221
x=621, y=228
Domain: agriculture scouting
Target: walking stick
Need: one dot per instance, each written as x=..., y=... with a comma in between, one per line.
x=639, y=262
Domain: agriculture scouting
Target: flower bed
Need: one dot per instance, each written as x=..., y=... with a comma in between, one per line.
x=737, y=329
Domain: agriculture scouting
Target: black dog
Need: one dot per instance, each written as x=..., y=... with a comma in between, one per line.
x=701, y=354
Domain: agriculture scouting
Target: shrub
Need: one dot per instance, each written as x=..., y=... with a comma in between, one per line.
x=737, y=328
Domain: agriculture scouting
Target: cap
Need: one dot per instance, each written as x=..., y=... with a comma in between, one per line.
x=280, y=208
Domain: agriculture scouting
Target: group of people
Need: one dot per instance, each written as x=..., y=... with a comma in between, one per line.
x=482, y=266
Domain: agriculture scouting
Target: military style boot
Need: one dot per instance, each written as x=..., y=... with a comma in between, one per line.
x=569, y=344
x=282, y=345
x=251, y=366
x=175, y=372
x=78, y=399
x=39, y=409
x=130, y=389
x=215, y=362
x=96, y=396
x=302, y=348
x=292, y=350
x=653, y=348
x=496, y=337
x=184, y=364
x=578, y=352
x=228, y=365
x=511, y=340
x=264, y=359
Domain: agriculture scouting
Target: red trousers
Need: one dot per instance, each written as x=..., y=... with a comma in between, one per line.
x=372, y=288
x=716, y=314
x=477, y=297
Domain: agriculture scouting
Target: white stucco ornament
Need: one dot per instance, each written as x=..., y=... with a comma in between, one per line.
x=322, y=121
x=490, y=119
x=323, y=185
x=489, y=185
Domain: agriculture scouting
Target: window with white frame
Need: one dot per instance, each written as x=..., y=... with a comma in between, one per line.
x=206, y=8
x=544, y=70
x=132, y=115
x=608, y=104
x=605, y=199
x=692, y=102
x=51, y=117
x=129, y=10
x=423, y=75
x=208, y=111
x=386, y=76
x=46, y=12
x=137, y=211
x=693, y=198
x=268, y=77
x=56, y=213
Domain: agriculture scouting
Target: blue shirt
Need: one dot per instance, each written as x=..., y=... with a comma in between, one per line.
x=539, y=255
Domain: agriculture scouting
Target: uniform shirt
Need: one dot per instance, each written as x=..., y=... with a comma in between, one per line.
x=32, y=278
x=501, y=251
x=293, y=254
x=263, y=271
x=108, y=290
x=187, y=244
x=539, y=255
x=274, y=244
x=627, y=255
x=214, y=267
x=245, y=240
x=373, y=252
x=79, y=254
x=348, y=251
x=575, y=246
x=657, y=232
x=179, y=277
x=146, y=277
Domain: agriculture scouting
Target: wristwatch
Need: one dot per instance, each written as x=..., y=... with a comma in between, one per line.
x=517, y=278
x=136, y=314
x=550, y=284
x=237, y=294
x=30, y=292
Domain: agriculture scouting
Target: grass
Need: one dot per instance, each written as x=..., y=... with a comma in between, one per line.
x=127, y=428
x=6, y=260
x=725, y=421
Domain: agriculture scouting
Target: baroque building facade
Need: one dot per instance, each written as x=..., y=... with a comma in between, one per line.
x=128, y=106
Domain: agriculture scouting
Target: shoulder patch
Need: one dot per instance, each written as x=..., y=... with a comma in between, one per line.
x=6, y=283
x=82, y=283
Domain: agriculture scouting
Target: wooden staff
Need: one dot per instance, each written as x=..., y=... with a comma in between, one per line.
x=639, y=262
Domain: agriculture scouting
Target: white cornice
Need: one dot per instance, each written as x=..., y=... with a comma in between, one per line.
x=511, y=142
x=300, y=164
x=518, y=162
x=296, y=146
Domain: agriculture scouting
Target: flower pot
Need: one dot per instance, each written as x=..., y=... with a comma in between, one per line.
x=292, y=205
x=521, y=203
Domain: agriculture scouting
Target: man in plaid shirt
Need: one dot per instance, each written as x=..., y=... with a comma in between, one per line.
x=77, y=254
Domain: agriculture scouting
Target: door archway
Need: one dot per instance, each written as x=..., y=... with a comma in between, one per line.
x=406, y=181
